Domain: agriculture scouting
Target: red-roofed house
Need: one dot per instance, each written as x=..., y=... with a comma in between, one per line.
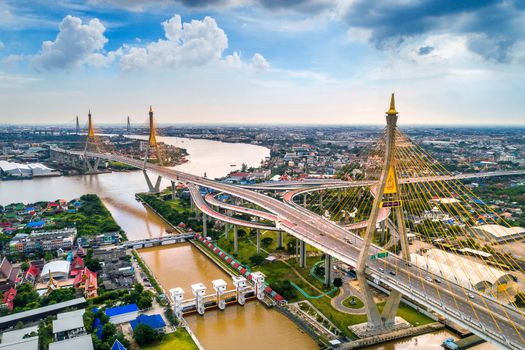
x=32, y=273
x=9, y=298
x=77, y=265
x=8, y=275
x=87, y=281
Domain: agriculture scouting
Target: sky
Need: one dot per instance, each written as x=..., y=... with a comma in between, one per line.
x=263, y=61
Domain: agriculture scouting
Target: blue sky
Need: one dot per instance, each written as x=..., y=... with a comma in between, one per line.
x=263, y=61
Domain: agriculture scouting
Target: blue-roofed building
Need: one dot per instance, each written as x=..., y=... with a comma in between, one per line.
x=117, y=345
x=154, y=321
x=36, y=224
x=122, y=314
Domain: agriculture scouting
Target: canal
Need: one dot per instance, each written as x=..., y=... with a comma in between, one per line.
x=246, y=326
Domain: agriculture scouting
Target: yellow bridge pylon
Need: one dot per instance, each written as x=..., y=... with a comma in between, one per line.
x=152, y=140
x=91, y=141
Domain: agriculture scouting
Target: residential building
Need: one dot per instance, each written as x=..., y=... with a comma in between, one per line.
x=8, y=275
x=69, y=325
x=43, y=241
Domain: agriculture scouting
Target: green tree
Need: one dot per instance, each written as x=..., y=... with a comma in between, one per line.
x=267, y=241
x=26, y=296
x=48, y=256
x=285, y=289
x=257, y=259
x=338, y=282
x=59, y=295
x=24, y=266
x=144, y=334
x=144, y=302
x=108, y=330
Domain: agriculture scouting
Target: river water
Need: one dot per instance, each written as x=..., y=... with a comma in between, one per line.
x=248, y=327
x=117, y=190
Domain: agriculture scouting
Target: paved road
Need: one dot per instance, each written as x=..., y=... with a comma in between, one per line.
x=482, y=315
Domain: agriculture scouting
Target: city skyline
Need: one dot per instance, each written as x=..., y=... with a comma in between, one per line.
x=262, y=62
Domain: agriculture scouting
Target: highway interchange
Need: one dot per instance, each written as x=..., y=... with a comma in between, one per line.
x=496, y=323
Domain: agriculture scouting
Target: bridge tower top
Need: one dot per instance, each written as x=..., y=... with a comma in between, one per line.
x=77, y=127
x=91, y=130
x=392, y=111
x=128, y=126
x=152, y=134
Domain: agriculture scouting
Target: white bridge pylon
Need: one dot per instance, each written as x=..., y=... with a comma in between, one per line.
x=243, y=290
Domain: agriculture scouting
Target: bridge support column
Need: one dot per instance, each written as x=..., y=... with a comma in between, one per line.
x=173, y=190
x=152, y=188
x=372, y=313
x=304, y=200
x=91, y=168
x=258, y=238
x=302, y=254
x=226, y=230
x=204, y=225
x=389, y=312
x=383, y=232
x=327, y=270
x=235, y=240
x=279, y=239
x=296, y=248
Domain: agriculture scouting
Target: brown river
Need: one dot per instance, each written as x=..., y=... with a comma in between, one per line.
x=249, y=327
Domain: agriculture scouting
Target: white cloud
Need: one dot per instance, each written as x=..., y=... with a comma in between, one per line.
x=12, y=61
x=1, y=45
x=234, y=60
x=196, y=43
x=75, y=44
x=259, y=63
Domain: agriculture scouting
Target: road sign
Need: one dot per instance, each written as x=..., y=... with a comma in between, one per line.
x=390, y=204
x=390, y=186
x=379, y=255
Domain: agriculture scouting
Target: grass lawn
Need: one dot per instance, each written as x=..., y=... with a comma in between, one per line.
x=409, y=314
x=179, y=340
x=246, y=248
x=340, y=319
x=178, y=205
x=357, y=302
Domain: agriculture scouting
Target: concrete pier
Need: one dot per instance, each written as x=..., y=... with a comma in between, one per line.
x=302, y=254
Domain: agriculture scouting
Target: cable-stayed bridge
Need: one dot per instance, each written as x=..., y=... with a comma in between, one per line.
x=397, y=187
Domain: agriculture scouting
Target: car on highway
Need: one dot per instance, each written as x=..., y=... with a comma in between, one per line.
x=381, y=269
x=393, y=273
x=347, y=240
x=471, y=296
x=428, y=278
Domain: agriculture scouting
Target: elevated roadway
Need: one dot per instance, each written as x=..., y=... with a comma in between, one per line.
x=312, y=185
x=206, y=209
